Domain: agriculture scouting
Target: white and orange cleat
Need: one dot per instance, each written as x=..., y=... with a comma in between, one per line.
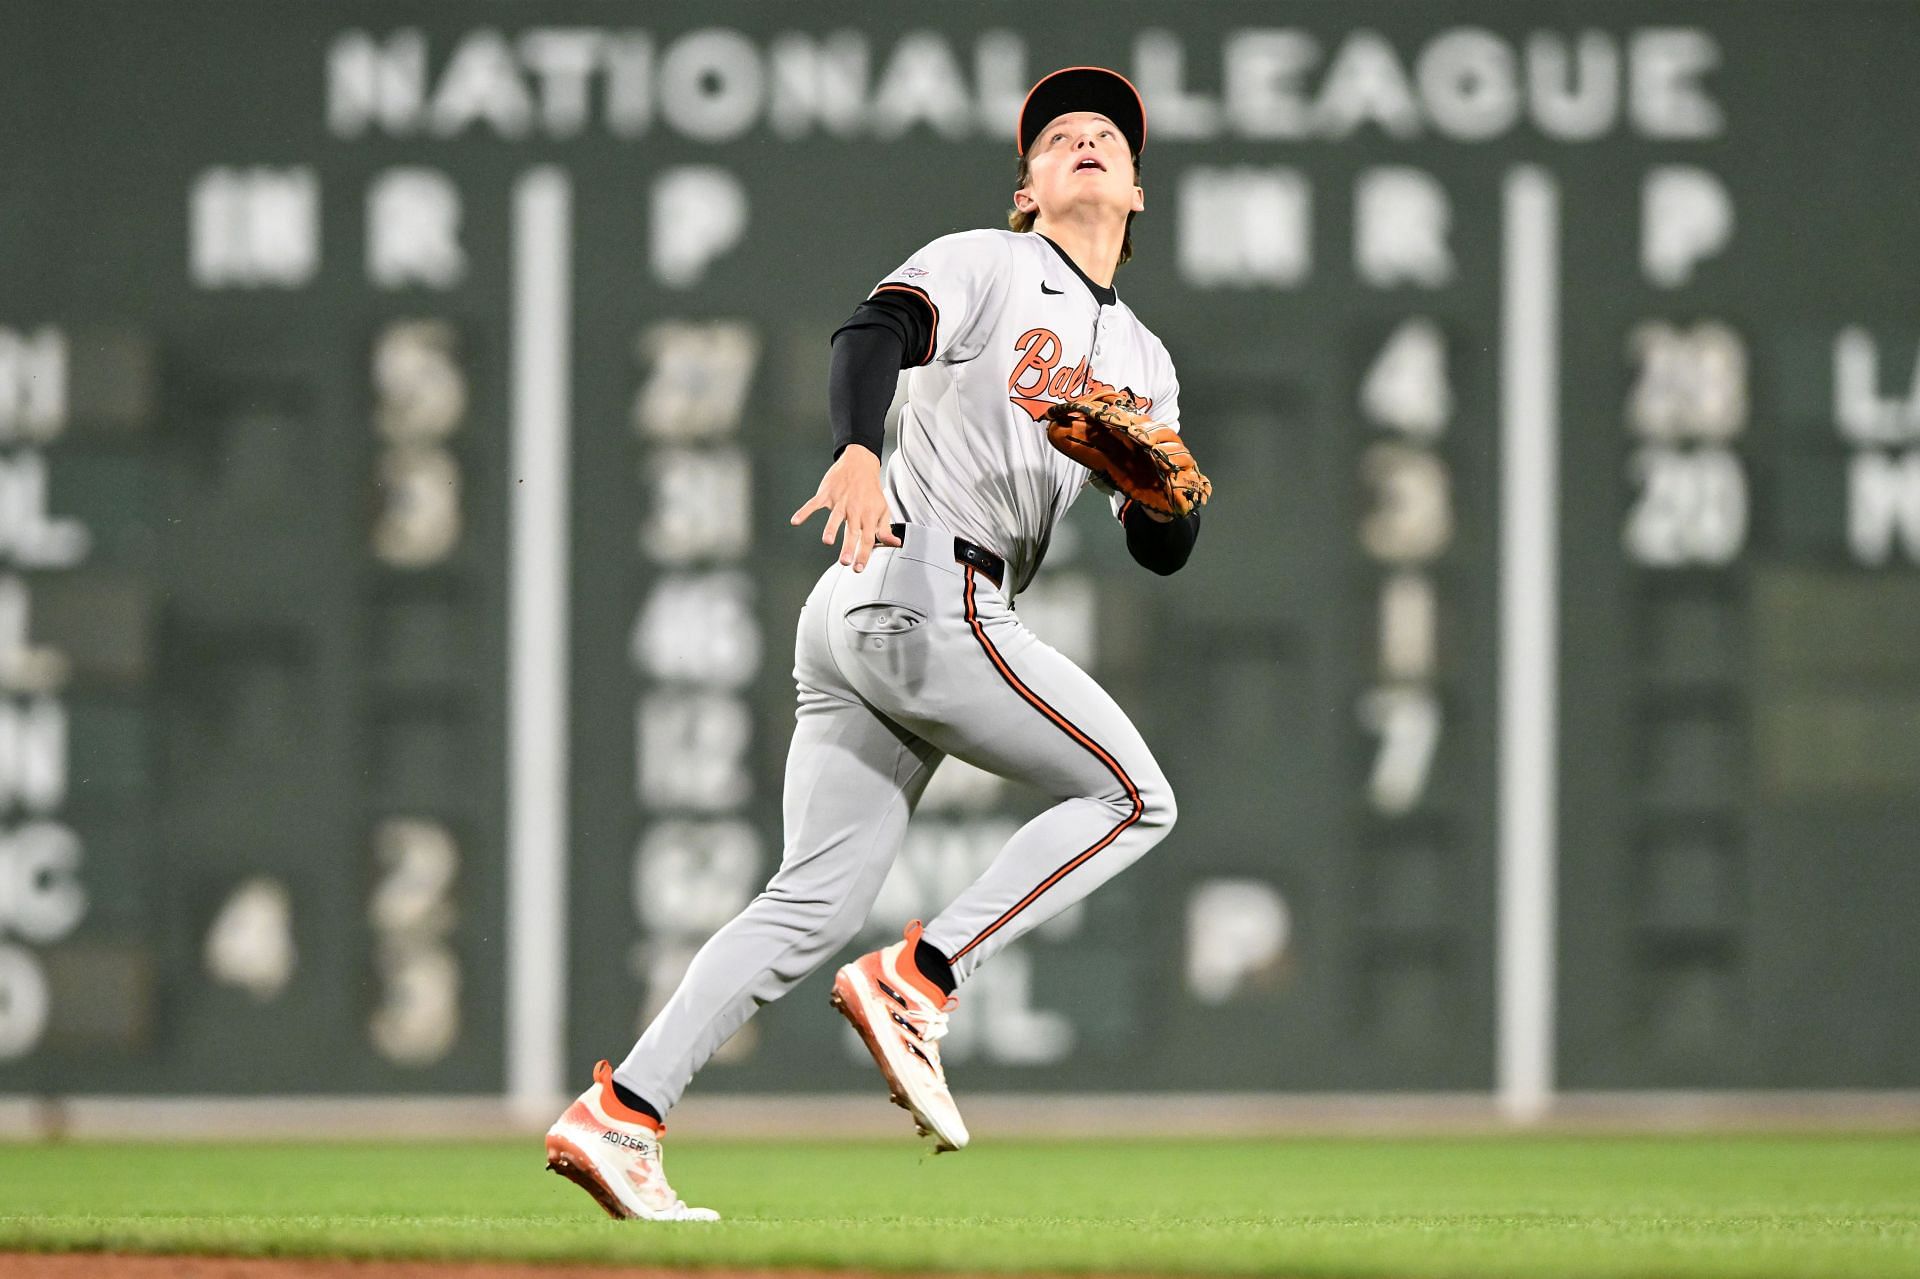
x=901, y=1016
x=613, y=1153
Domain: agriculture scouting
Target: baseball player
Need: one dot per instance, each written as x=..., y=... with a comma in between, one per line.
x=1028, y=378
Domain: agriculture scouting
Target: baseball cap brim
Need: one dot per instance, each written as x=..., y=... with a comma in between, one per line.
x=1083, y=89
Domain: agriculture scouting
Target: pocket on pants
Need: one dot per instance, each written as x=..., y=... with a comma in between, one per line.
x=885, y=652
x=882, y=619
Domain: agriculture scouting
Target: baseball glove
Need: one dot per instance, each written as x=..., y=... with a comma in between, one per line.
x=1130, y=451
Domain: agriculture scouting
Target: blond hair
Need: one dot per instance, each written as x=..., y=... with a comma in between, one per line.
x=1023, y=222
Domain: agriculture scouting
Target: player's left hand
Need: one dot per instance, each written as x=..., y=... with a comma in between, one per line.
x=1141, y=458
x=851, y=495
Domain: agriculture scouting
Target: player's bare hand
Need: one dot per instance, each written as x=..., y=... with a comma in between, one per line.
x=856, y=507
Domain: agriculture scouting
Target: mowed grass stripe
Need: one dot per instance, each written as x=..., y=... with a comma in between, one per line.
x=1831, y=1206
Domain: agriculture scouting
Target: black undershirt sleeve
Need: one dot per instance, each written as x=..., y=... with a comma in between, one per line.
x=860, y=381
x=1163, y=548
x=884, y=335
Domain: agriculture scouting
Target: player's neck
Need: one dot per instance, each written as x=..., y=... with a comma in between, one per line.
x=1093, y=244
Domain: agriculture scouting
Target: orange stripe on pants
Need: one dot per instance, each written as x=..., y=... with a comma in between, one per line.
x=1066, y=726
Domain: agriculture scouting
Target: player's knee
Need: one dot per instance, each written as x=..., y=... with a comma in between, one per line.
x=1161, y=809
x=834, y=933
x=1169, y=809
x=814, y=922
x=1158, y=809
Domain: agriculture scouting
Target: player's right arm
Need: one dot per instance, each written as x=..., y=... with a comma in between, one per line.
x=934, y=307
x=868, y=352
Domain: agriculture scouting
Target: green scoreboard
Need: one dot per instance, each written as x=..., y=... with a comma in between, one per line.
x=401, y=406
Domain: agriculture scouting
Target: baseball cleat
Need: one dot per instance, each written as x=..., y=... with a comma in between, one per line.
x=613, y=1154
x=901, y=1017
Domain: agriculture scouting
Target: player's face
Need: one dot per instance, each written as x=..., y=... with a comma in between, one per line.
x=1079, y=161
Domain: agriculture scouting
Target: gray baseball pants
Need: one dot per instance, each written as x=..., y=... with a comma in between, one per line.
x=916, y=658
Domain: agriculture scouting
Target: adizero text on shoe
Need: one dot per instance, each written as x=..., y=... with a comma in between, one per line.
x=613, y=1154
x=901, y=1017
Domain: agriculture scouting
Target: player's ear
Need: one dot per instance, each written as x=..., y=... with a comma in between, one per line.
x=1139, y=200
x=1023, y=200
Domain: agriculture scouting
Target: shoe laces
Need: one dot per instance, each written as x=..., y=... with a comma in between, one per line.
x=930, y=1021
x=651, y=1152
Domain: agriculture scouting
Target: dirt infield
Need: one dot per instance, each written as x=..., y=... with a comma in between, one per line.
x=17, y=1265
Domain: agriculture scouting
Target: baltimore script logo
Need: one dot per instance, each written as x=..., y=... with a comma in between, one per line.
x=1039, y=380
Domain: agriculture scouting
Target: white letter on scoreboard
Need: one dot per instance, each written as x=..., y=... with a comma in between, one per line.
x=1883, y=504
x=563, y=59
x=1244, y=227
x=1400, y=235
x=30, y=535
x=1862, y=413
x=1686, y=216
x=413, y=230
x=1237, y=929
x=1160, y=68
x=1666, y=97
x=33, y=385
x=699, y=212
x=24, y=1004
x=255, y=227
x=376, y=83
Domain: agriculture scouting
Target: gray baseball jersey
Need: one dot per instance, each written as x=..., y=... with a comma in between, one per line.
x=1016, y=328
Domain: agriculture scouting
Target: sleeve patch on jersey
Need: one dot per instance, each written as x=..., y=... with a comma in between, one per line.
x=933, y=330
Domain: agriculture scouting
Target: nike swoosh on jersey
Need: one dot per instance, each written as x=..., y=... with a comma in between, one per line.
x=1045, y=289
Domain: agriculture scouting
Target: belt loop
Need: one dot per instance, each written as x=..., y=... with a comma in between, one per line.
x=986, y=561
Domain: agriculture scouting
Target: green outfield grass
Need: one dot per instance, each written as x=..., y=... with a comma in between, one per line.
x=1825, y=1206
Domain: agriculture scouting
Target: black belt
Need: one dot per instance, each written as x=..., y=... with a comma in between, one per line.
x=965, y=552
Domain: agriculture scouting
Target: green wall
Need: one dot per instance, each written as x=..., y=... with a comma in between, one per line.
x=267, y=256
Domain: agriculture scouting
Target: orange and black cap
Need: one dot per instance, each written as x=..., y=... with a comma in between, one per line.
x=1083, y=89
